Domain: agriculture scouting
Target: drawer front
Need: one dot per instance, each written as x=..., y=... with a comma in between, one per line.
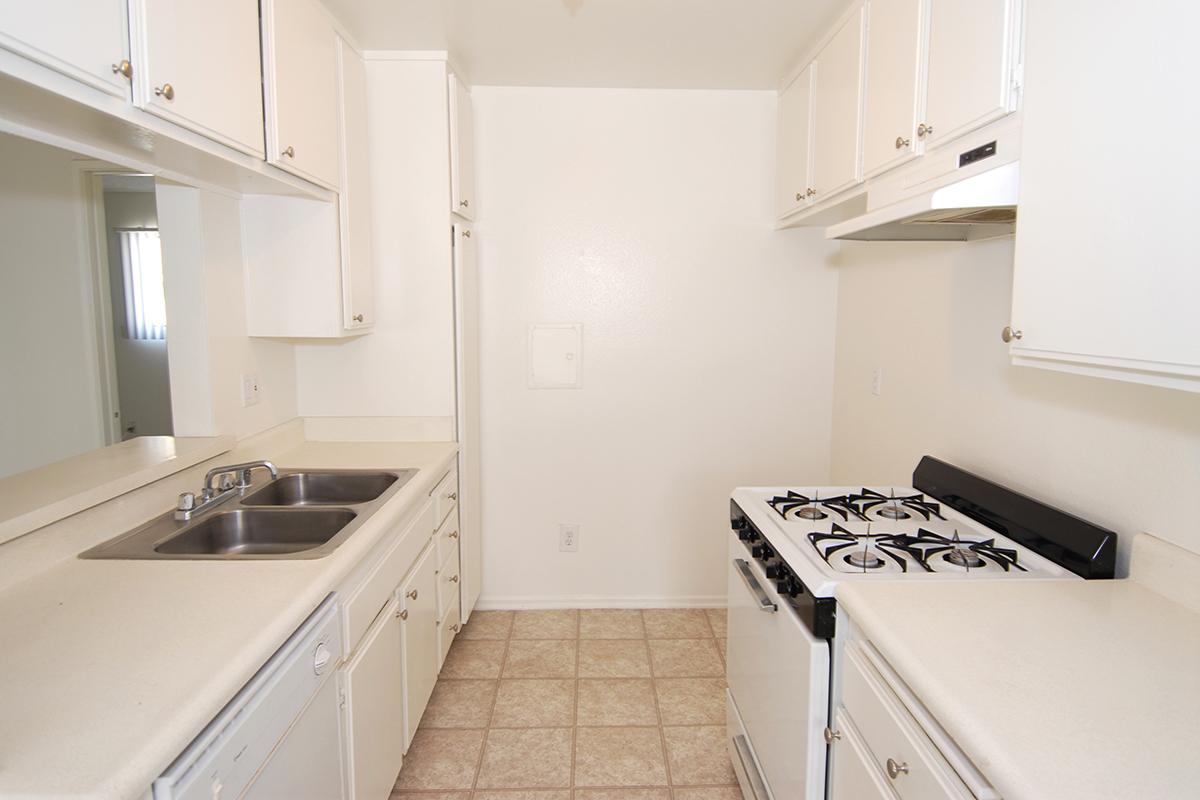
x=448, y=628
x=854, y=774
x=448, y=537
x=900, y=750
x=445, y=496
x=449, y=580
x=365, y=601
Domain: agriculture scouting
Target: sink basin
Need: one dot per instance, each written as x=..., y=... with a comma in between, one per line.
x=257, y=531
x=322, y=489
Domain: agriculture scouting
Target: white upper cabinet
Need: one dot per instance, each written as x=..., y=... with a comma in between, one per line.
x=1106, y=282
x=354, y=200
x=462, y=150
x=196, y=63
x=837, y=110
x=793, y=145
x=301, y=63
x=894, y=83
x=972, y=51
x=86, y=41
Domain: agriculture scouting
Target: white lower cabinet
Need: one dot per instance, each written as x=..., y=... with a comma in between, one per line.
x=374, y=705
x=855, y=776
x=419, y=615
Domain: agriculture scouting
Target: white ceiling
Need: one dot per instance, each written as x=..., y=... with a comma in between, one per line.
x=670, y=44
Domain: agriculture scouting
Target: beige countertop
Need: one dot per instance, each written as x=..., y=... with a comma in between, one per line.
x=1056, y=690
x=112, y=667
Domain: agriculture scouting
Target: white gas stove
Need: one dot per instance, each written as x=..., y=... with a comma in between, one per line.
x=791, y=547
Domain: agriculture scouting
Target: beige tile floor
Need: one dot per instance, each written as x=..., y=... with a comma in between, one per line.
x=577, y=705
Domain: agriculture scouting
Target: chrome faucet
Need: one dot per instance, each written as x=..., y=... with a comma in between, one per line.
x=220, y=484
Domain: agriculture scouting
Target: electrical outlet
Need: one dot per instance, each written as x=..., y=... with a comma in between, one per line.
x=568, y=538
x=251, y=390
x=877, y=382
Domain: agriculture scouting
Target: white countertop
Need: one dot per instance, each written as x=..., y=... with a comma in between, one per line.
x=112, y=667
x=1056, y=690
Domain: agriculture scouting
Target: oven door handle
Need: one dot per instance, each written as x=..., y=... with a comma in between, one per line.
x=760, y=594
x=753, y=777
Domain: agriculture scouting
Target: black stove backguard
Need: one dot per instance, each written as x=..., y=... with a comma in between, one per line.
x=1072, y=543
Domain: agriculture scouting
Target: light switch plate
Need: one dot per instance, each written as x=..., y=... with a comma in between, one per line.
x=556, y=356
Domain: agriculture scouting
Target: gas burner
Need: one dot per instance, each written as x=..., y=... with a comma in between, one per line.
x=896, y=508
x=863, y=559
x=795, y=505
x=962, y=557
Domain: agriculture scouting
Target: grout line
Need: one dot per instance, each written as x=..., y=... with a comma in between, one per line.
x=575, y=709
x=662, y=734
x=492, y=710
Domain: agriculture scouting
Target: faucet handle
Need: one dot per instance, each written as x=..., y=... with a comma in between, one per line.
x=226, y=482
x=187, y=502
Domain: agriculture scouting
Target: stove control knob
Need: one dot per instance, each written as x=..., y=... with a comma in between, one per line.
x=737, y=523
x=774, y=571
x=762, y=551
x=747, y=535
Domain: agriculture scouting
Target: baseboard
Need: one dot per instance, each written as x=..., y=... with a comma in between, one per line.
x=500, y=603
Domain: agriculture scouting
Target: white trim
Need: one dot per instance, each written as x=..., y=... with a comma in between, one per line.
x=501, y=603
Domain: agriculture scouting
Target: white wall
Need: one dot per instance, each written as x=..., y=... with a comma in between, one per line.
x=50, y=402
x=930, y=315
x=405, y=367
x=708, y=337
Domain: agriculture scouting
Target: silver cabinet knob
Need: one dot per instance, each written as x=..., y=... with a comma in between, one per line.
x=411, y=595
x=453, y=579
x=289, y=151
x=902, y=143
x=924, y=130
x=799, y=196
x=453, y=535
x=357, y=318
x=166, y=91
x=895, y=770
x=465, y=203
x=466, y=234
x=456, y=627
x=832, y=736
x=452, y=496
x=402, y=614
x=124, y=68
x=1009, y=334
x=810, y=192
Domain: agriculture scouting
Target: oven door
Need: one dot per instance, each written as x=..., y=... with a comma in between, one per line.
x=778, y=676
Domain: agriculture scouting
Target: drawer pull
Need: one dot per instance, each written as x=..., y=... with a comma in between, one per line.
x=895, y=770
x=452, y=496
x=453, y=535
x=453, y=580
x=760, y=594
x=411, y=595
x=832, y=736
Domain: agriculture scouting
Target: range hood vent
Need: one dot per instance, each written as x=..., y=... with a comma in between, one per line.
x=980, y=206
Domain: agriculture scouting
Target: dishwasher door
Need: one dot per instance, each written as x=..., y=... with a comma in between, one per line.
x=280, y=736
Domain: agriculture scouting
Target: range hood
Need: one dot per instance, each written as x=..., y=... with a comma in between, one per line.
x=979, y=206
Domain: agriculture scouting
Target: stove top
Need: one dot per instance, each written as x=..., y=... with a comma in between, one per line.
x=854, y=533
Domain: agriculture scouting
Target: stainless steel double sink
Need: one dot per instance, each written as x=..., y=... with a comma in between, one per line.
x=299, y=515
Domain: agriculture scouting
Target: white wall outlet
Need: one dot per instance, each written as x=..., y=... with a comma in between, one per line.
x=251, y=390
x=877, y=382
x=568, y=538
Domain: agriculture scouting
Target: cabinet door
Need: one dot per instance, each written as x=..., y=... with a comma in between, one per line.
x=837, y=111
x=374, y=702
x=895, y=70
x=1104, y=280
x=462, y=150
x=302, y=89
x=354, y=199
x=971, y=48
x=197, y=64
x=466, y=340
x=85, y=40
x=854, y=774
x=418, y=597
x=793, y=146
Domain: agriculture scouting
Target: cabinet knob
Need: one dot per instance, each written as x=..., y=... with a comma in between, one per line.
x=357, y=318
x=465, y=203
x=811, y=192
x=452, y=496
x=402, y=614
x=924, y=130
x=832, y=736
x=456, y=627
x=166, y=91
x=411, y=595
x=1009, y=334
x=895, y=770
x=902, y=143
x=124, y=69
x=453, y=535
x=454, y=579
x=289, y=151
x=466, y=234
x=799, y=196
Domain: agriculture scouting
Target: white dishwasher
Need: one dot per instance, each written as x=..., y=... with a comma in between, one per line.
x=280, y=736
